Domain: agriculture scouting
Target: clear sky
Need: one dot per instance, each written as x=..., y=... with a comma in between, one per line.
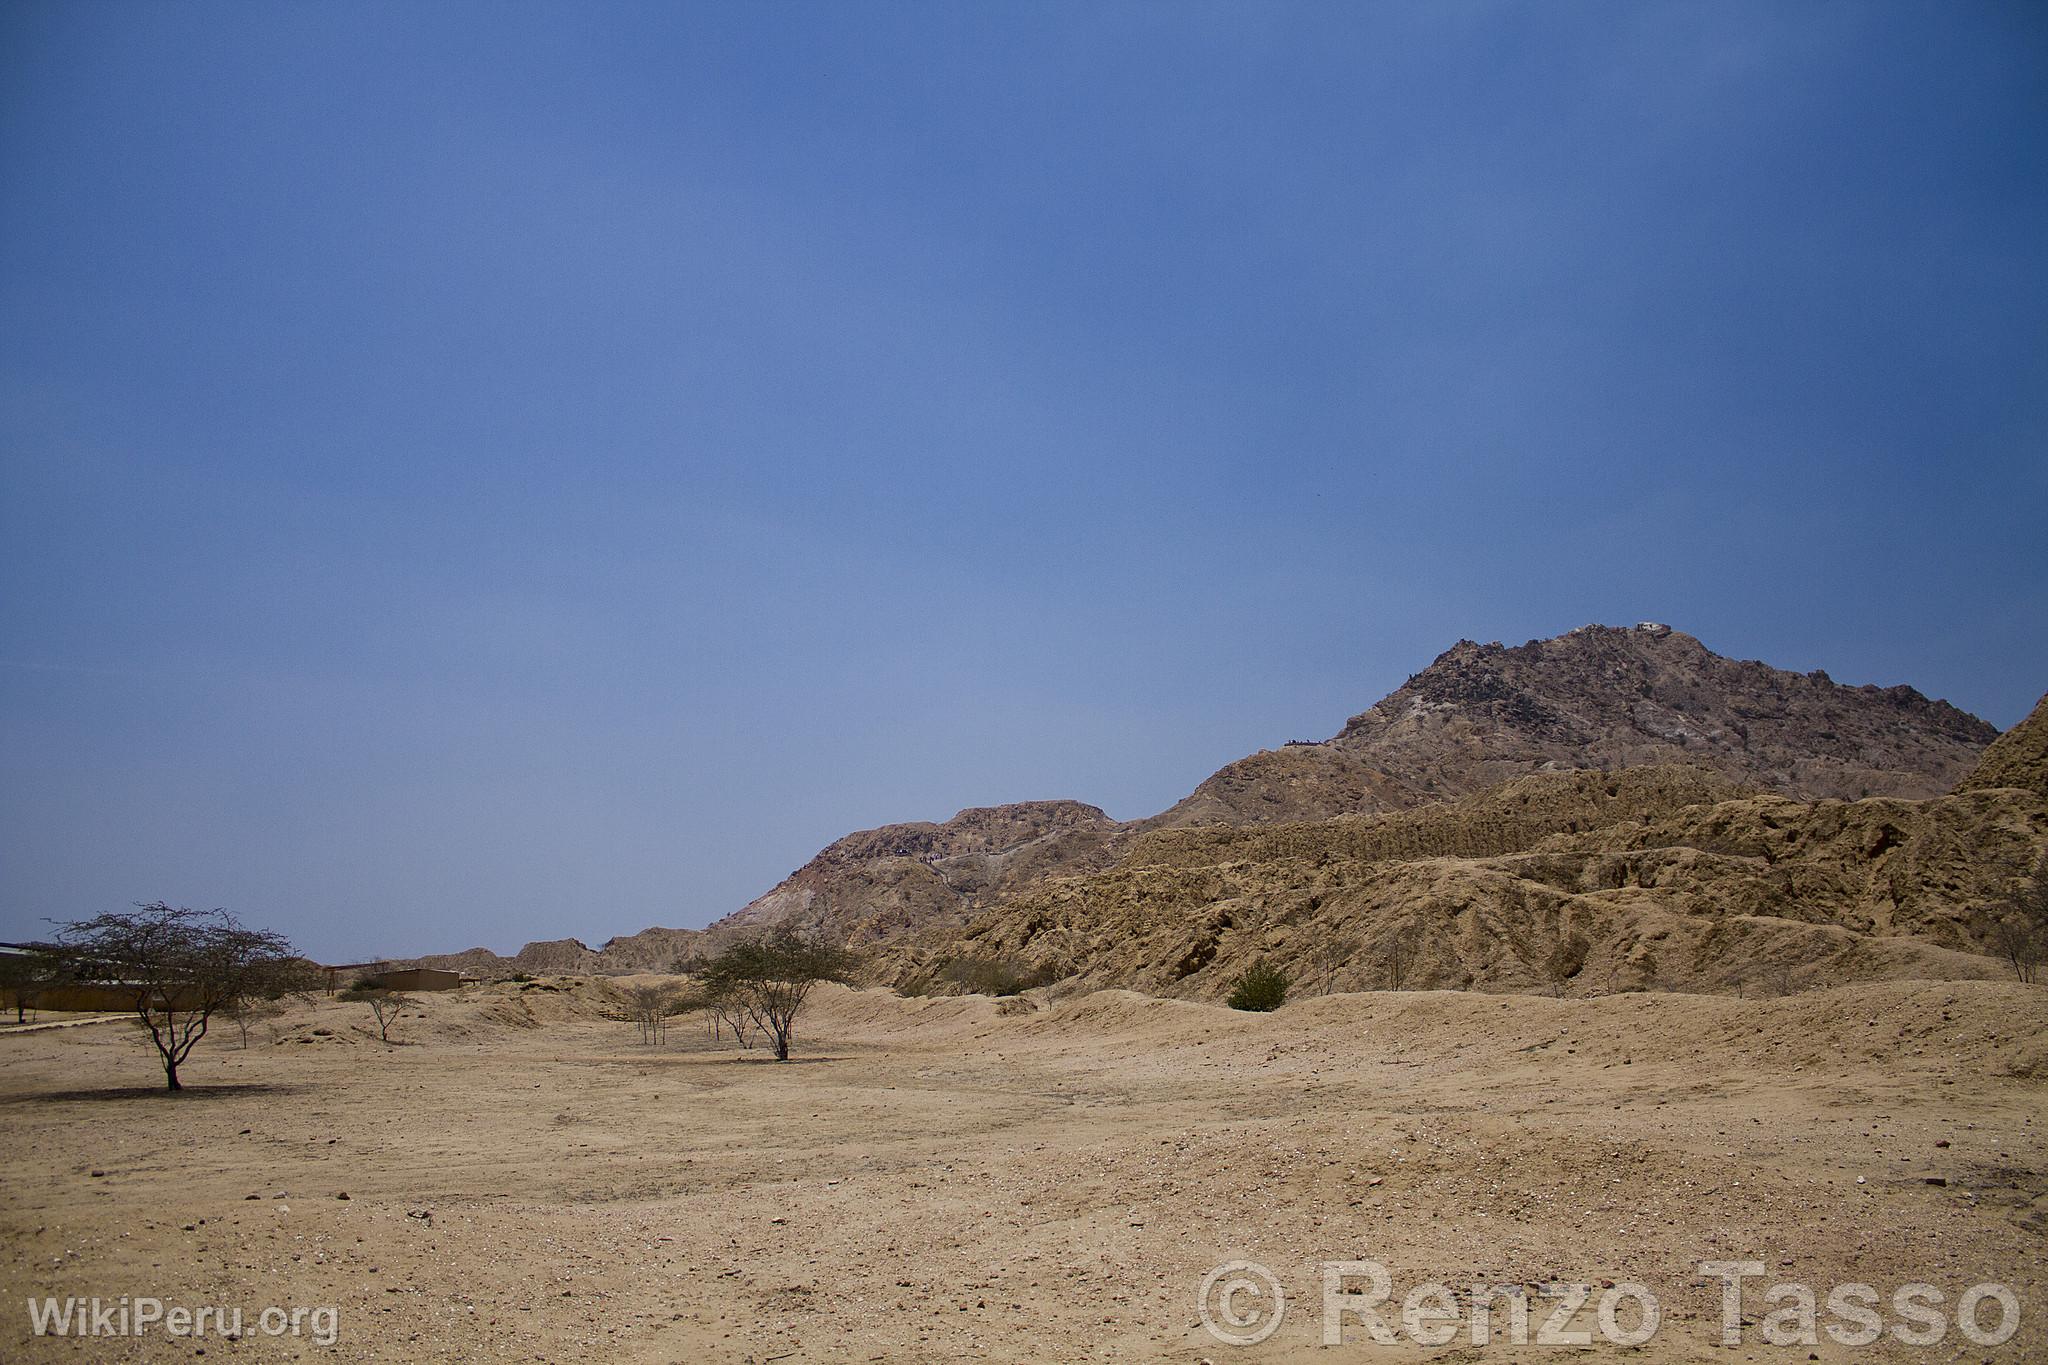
x=471, y=473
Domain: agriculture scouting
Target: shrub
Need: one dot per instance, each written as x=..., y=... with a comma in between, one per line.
x=1262, y=987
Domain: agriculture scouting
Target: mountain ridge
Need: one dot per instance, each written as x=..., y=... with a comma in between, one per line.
x=1693, y=728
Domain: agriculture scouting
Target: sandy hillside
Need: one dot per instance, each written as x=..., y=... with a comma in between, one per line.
x=954, y=1179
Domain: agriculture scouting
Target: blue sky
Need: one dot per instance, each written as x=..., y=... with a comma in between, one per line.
x=471, y=473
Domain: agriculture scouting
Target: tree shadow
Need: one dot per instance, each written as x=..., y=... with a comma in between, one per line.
x=158, y=1092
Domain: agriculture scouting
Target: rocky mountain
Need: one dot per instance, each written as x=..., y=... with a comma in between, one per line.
x=1601, y=697
x=1691, y=820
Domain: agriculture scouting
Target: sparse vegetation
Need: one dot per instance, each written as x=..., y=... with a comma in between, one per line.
x=1262, y=987
x=651, y=1007
x=998, y=976
x=180, y=967
x=1394, y=961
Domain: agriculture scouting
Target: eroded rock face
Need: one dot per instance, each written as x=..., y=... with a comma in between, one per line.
x=1607, y=698
x=1666, y=879
x=2017, y=758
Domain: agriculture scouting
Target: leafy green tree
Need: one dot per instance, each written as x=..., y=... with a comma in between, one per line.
x=769, y=978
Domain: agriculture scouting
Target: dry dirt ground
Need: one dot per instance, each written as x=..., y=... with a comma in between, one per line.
x=935, y=1180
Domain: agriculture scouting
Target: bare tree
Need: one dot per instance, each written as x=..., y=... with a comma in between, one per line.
x=179, y=968
x=650, y=1008
x=1324, y=961
x=247, y=1011
x=769, y=979
x=727, y=1006
x=2016, y=924
x=385, y=1006
x=1395, y=958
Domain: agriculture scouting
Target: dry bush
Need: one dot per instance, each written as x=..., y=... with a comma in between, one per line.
x=385, y=1006
x=998, y=975
x=651, y=1007
x=2016, y=924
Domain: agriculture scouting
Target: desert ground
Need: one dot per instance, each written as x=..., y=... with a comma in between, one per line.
x=521, y=1178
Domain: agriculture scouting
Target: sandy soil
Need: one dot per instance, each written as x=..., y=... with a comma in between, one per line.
x=937, y=1180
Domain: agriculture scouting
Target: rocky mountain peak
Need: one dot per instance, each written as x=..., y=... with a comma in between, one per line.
x=1602, y=697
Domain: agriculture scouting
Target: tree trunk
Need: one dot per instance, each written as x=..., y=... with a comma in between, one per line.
x=171, y=1076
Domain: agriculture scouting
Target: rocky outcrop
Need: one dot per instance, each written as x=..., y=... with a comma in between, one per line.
x=884, y=883
x=2017, y=758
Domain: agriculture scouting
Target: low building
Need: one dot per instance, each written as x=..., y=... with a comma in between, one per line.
x=418, y=979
